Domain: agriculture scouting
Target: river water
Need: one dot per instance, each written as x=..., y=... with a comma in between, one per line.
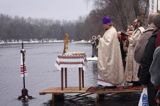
x=41, y=74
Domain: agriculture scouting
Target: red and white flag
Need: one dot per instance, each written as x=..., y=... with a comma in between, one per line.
x=23, y=69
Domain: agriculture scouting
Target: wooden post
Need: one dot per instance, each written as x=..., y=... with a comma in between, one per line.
x=61, y=78
x=65, y=77
x=52, y=102
x=80, y=78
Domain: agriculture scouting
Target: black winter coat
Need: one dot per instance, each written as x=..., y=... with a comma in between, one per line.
x=143, y=72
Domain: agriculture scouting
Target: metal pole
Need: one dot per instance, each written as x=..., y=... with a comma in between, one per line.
x=24, y=86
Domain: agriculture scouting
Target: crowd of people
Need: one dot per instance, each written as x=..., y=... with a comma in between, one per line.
x=131, y=58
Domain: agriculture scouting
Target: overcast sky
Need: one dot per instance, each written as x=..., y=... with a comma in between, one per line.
x=50, y=9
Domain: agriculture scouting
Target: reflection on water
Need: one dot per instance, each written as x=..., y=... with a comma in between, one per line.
x=40, y=59
x=25, y=103
x=114, y=99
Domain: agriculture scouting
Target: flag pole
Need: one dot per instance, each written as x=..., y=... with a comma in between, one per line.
x=23, y=65
x=24, y=96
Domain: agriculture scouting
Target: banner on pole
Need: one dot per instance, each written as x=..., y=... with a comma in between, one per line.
x=23, y=69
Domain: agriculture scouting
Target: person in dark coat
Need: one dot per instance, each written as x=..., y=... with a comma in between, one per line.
x=155, y=68
x=143, y=73
x=155, y=72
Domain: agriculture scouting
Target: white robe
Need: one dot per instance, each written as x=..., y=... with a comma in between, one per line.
x=132, y=66
x=110, y=66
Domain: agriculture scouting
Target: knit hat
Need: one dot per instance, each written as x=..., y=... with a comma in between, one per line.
x=106, y=20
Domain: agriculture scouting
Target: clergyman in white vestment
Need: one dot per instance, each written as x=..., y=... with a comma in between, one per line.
x=110, y=66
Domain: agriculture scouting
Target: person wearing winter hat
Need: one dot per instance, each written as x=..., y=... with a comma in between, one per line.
x=110, y=66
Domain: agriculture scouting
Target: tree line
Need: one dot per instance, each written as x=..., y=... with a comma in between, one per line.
x=122, y=13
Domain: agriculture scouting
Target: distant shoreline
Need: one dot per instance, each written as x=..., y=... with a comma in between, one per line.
x=40, y=41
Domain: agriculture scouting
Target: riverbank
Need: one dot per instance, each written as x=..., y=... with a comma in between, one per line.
x=40, y=41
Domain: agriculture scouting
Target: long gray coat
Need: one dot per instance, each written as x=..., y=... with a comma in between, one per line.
x=141, y=44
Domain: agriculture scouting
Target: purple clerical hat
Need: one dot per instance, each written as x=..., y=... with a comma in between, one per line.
x=106, y=20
